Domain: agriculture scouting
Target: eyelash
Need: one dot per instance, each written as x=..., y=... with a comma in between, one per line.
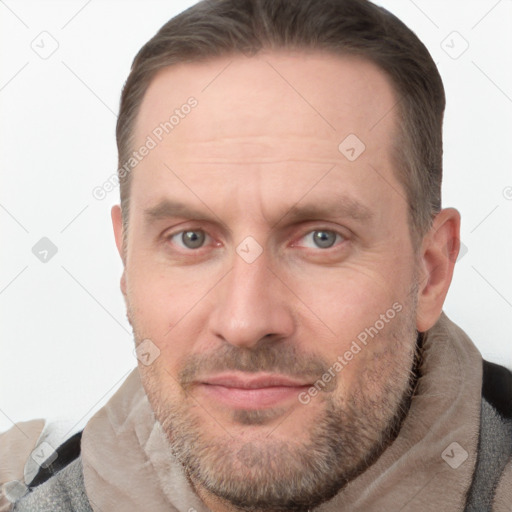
x=339, y=236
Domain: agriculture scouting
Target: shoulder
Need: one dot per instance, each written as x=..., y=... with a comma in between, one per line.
x=41, y=478
x=497, y=388
x=62, y=457
x=496, y=412
x=494, y=458
x=62, y=492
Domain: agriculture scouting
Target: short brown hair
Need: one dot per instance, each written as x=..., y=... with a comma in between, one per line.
x=214, y=28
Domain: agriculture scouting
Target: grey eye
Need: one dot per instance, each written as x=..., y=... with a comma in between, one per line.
x=324, y=239
x=193, y=239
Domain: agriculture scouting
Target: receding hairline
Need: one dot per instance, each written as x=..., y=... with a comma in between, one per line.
x=226, y=60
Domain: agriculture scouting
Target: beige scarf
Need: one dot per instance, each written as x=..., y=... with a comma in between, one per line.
x=127, y=464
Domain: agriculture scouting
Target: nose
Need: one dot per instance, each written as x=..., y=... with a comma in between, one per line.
x=252, y=303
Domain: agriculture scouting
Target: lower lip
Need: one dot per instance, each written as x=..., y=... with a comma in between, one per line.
x=241, y=398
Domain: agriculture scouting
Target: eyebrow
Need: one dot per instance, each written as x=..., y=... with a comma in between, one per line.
x=339, y=208
x=170, y=208
x=342, y=207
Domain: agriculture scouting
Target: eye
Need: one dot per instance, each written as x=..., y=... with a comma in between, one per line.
x=191, y=239
x=322, y=239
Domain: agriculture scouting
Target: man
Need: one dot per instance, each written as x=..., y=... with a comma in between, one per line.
x=286, y=260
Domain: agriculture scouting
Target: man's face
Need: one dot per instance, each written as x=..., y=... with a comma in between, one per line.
x=273, y=270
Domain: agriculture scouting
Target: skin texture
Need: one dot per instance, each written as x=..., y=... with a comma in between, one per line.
x=260, y=147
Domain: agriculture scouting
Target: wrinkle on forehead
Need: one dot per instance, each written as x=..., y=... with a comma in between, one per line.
x=272, y=100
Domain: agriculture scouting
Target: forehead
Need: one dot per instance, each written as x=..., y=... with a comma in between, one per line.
x=265, y=125
x=271, y=99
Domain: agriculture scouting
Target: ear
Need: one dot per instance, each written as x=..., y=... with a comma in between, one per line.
x=117, y=224
x=439, y=251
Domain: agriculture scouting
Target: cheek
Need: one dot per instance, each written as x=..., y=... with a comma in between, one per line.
x=347, y=300
x=162, y=296
x=353, y=317
x=170, y=309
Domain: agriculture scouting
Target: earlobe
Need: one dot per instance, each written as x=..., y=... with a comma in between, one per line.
x=117, y=224
x=437, y=260
x=122, y=283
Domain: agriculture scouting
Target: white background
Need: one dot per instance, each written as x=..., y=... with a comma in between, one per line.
x=65, y=343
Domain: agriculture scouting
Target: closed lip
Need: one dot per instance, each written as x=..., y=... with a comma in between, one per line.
x=254, y=381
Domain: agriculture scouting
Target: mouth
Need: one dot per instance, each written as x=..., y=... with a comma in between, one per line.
x=251, y=391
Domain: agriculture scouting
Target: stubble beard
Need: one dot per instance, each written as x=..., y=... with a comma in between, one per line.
x=271, y=474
